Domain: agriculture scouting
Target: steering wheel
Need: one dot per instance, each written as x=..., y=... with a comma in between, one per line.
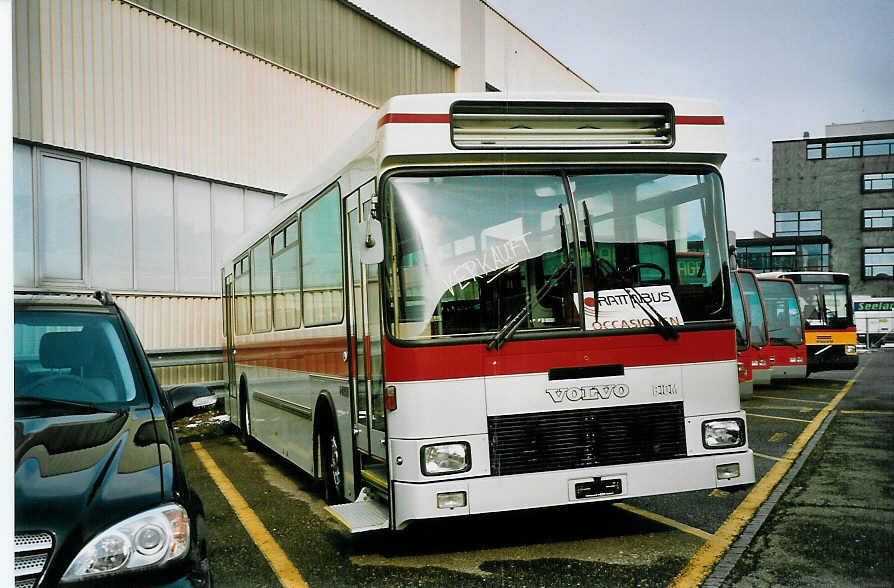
x=646, y=264
x=91, y=394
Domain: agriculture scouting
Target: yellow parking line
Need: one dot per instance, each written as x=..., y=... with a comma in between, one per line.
x=791, y=399
x=765, y=456
x=282, y=567
x=879, y=412
x=767, y=416
x=809, y=388
x=665, y=521
x=707, y=556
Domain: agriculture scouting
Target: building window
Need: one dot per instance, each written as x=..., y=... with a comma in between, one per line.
x=59, y=216
x=878, y=182
x=878, y=263
x=876, y=219
x=804, y=223
x=837, y=148
x=776, y=258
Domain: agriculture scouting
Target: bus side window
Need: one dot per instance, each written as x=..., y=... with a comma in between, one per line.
x=260, y=287
x=321, y=261
x=286, y=278
x=243, y=291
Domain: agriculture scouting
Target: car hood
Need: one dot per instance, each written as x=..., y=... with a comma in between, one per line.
x=77, y=474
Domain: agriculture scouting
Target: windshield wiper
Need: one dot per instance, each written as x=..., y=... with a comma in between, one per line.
x=508, y=329
x=56, y=402
x=594, y=260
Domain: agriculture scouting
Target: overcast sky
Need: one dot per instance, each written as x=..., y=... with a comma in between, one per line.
x=778, y=68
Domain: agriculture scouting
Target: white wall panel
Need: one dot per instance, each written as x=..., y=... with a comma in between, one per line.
x=110, y=224
x=192, y=217
x=514, y=62
x=257, y=207
x=226, y=203
x=117, y=81
x=153, y=200
x=23, y=213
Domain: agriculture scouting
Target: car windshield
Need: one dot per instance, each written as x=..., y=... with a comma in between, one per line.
x=755, y=309
x=825, y=305
x=467, y=253
x=74, y=357
x=783, y=312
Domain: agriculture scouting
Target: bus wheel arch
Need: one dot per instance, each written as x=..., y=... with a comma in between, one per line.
x=328, y=454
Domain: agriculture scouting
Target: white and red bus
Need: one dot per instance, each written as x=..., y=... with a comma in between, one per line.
x=758, y=355
x=788, y=353
x=745, y=351
x=479, y=306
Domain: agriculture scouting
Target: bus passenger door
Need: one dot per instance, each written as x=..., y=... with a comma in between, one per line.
x=232, y=402
x=365, y=325
x=357, y=333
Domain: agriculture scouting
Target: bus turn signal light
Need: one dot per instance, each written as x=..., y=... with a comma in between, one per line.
x=390, y=398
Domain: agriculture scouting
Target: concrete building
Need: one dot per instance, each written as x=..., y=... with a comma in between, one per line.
x=833, y=207
x=150, y=134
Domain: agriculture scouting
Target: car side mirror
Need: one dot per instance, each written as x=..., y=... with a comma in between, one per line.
x=190, y=400
x=371, y=250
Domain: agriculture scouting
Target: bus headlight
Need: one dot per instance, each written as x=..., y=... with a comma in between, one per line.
x=446, y=458
x=723, y=434
x=850, y=349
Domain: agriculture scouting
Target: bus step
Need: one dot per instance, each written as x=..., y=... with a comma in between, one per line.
x=376, y=475
x=364, y=514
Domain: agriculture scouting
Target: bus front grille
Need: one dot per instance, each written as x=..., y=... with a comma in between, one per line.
x=564, y=440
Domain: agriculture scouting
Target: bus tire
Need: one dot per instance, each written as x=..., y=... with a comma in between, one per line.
x=245, y=419
x=331, y=461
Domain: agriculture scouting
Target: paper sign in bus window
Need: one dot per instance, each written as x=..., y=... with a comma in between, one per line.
x=618, y=309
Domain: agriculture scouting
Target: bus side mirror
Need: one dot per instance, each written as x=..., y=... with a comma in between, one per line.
x=371, y=249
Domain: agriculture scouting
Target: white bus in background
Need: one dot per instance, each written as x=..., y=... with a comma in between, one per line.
x=496, y=302
x=874, y=318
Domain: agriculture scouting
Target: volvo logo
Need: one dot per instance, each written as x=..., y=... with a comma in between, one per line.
x=599, y=392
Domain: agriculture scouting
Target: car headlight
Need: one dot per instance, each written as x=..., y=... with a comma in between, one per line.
x=446, y=458
x=151, y=538
x=722, y=434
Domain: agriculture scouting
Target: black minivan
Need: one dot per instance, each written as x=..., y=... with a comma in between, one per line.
x=100, y=493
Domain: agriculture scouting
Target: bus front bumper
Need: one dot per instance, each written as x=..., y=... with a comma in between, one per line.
x=788, y=372
x=760, y=377
x=414, y=501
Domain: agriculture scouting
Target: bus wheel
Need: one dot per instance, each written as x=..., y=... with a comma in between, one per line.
x=333, y=473
x=245, y=422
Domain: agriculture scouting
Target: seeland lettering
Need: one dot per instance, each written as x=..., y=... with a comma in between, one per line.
x=599, y=392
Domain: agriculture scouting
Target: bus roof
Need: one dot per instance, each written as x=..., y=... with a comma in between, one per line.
x=802, y=276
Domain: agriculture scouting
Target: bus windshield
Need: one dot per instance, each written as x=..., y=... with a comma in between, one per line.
x=783, y=313
x=825, y=305
x=467, y=252
x=740, y=316
x=755, y=309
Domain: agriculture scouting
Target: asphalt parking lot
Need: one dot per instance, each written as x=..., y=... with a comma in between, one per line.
x=266, y=523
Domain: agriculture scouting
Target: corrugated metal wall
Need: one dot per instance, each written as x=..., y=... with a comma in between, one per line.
x=324, y=39
x=111, y=79
x=173, y=322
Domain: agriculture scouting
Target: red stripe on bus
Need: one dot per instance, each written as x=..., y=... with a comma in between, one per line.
x=407, y=364
x=414, y=118
x=698, y=120
x=322, y=355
